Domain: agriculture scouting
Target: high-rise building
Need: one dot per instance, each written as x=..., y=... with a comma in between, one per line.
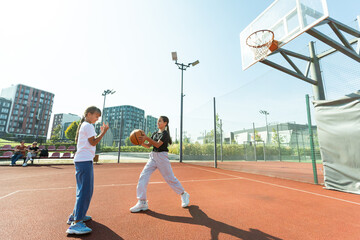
x=151, y=124
x=5, y=105
x=64, y=120
x=125, y=118
x=30, y=111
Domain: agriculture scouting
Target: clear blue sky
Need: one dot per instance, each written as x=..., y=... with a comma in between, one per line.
x=77, y=49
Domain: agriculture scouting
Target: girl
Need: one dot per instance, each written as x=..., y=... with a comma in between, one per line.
x=158, y=159
x=86, y=140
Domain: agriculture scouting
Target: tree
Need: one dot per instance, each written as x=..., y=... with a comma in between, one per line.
x=209, y=138
x=55, y=136
x=70, y=132
x=257, y=136
x=128, y=142
x=276, y=137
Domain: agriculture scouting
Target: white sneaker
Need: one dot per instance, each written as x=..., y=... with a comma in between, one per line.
x=24, y=165
x=78, y=228
x=140, y=206
x=185, y=199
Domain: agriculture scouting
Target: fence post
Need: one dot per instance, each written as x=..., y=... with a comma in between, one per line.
x=297, y=142
x=278, y=135
x=215, y=151
x=254, y=143
x=313, y=160
x=264, y=151
x=221, y=141
x=245, y=148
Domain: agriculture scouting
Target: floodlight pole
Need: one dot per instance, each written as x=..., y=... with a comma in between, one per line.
x=267, y=128
x=106, y=92
x=318, y=89
x=182, y=67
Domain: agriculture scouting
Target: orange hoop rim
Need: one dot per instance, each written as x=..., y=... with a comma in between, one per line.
x=262, y=45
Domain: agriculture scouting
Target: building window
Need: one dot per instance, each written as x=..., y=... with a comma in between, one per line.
x=4, y=110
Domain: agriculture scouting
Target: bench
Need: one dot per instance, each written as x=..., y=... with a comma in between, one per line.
x=68, y=153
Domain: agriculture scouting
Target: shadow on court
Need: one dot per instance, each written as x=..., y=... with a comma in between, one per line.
x=100, y=231
x=216, y=227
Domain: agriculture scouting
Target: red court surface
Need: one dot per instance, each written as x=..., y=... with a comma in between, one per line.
x=298, y=171
x=36, y=201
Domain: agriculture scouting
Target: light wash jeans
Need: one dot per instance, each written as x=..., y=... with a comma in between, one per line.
x=157, y=160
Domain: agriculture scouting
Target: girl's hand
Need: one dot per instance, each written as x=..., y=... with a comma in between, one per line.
x=104, y=128
x=143, y=138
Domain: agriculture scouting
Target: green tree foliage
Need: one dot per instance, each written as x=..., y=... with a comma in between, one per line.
x=209, y=137
x=56, y=133
x=257, y=136
x=276, y=137
x=70, y=132
x=128, y=142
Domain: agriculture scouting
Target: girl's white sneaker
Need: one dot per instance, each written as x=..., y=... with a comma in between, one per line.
x=141, y=205
x=185, y=199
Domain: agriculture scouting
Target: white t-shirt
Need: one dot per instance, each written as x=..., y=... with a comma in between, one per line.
x=85, y=151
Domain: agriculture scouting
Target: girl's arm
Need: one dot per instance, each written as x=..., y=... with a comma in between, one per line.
x=152, y=142
x=147, y=145
x=95, y=140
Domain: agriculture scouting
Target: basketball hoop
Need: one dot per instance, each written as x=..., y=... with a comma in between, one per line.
x=261, y=42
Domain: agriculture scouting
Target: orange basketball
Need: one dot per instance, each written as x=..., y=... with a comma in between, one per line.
x=134, y=136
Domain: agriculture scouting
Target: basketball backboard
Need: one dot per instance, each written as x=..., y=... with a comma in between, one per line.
x=287, y=19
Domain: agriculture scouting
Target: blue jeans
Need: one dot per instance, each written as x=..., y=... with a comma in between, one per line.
x=84, y=172
x=16, y=157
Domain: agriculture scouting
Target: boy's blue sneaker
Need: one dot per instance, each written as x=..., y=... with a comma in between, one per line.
x=78, y=228
x=71, y=219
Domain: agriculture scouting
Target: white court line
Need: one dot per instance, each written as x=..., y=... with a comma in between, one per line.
x=9, y=194
x=112, y=185
x=69, y=172
x=280, y=186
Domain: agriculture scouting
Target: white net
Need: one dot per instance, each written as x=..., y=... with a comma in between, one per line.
x=260, y=42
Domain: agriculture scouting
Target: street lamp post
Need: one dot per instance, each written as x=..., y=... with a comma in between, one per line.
x=267, y=129
x=182, y=67
x=106, y=92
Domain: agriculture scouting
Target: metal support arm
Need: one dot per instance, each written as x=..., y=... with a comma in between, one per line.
x=288, y=71
x=322, y=37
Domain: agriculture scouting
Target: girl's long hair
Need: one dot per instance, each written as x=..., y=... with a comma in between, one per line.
x=91, y=110
x=166, y=119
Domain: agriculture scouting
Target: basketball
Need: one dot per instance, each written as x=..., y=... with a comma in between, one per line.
x=134, y=136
